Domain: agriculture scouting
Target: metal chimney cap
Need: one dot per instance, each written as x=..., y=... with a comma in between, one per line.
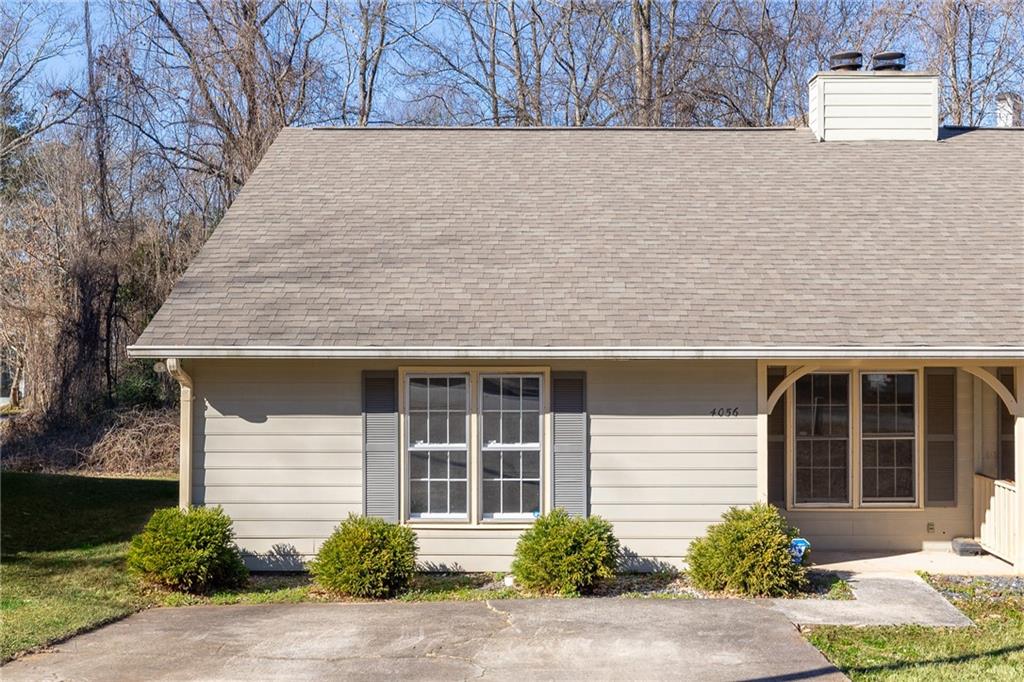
x=890, y=60
x=846, y=61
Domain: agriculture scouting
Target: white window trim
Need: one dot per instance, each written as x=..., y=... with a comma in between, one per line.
x=443, y=447
x=473, y=436
x=499, y=517
x=856, y=492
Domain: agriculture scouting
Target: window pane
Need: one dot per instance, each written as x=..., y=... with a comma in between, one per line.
x=531, y=497
x=510, y=464
x=531, y=464
x=418, y=464
x=492, y=464
x=438, y=393
x=492, y=427
x=492, y=497
x=457, y=465
x=418, y=394
x=905, y=389
x=531, y=427
x=531, y=394
x=510, y=497
x=439, y=497
x=456, y=427
x=510, y=393
x=904, y=483
x=905, y=419
x=418, y=497
x=417, y=427
x=510, y=427
x=439, y=465
x=457, y=393
x=492, y=394
x=438, y=427
x=803, y=452
x=458, y=497
x=904, y=453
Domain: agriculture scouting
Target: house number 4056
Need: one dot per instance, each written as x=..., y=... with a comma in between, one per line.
x=725, y=412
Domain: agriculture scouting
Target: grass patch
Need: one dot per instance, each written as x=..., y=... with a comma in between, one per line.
x=64, y=540
x=994, y=650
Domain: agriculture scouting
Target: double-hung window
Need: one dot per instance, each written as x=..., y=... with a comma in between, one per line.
x=855, y=431
x=437, y=442
x=822, y=441
x=510, y=444
x=888, y=437
x=475, y=445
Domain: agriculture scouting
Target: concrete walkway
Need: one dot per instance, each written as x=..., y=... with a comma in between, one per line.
x=602, y=639
x=881, y=599
x=929, y=561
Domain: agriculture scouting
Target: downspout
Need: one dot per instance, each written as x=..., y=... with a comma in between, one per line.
x=178, y=373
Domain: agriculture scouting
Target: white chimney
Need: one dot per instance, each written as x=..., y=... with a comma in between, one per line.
x=1008, y=110
x=885, y=103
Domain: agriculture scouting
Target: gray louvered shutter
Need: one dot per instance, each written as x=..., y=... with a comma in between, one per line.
x=380, y=445
x=569, y=426
x=940, y=437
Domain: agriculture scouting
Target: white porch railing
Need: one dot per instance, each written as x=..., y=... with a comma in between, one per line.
x=995, y=516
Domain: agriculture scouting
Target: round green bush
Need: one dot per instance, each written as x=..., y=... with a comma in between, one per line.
x=188, y=550
x=747, y=553
x=565, y=554
x=366, y=557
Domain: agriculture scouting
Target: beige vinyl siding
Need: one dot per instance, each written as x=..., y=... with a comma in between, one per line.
x=279, y=446
x=905, y=529
x=661, y=467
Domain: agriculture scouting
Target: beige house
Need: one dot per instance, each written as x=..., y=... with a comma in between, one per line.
x=460, y=329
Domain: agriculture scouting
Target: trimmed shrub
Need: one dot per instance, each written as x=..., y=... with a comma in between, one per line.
x=366, y=557
x=748, y=553
x=565, y=554
x=189, y=551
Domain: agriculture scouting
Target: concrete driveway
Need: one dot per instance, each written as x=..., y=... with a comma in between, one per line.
x=604, y=639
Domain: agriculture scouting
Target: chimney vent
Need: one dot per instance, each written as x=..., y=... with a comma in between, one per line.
x=888, y=61
x=1009, y=108
x=845, y=61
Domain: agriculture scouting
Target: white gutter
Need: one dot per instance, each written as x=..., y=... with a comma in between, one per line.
x=582, y=352
x=176, y=371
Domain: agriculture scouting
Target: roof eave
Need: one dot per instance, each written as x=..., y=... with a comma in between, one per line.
x=1010, y=353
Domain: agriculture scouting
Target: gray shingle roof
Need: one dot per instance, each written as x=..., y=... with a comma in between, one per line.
x=613, y=237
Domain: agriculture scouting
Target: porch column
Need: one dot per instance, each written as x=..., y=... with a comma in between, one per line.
x=762, y=431
x=1018, y=462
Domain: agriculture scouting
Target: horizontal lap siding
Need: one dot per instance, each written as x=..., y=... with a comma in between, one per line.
x=904, y=529
x=662, y=468
x=279, y=446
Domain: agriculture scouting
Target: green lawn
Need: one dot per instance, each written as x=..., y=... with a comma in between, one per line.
x=994, y=650
x=63, y=546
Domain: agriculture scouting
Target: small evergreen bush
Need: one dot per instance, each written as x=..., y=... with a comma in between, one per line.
x=189, y=551
x=747, y=553
x=366, y=557
x=565, y=554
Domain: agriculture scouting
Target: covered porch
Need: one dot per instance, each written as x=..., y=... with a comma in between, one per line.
x=896, y=457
